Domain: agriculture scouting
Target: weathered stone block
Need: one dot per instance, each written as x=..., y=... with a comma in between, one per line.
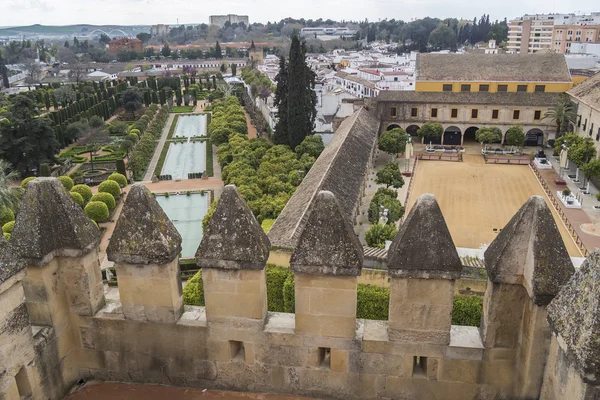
x=339, y=360
x=466, y=371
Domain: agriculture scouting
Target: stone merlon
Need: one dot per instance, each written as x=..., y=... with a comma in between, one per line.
x=327, y=245
x=530, y=251
x=10, y=262
x=50, y=223
x=144, y=234
x=574, y=315
x=233, y=238
x=423, y=247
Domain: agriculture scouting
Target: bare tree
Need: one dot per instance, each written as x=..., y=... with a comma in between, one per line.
x=34, y=71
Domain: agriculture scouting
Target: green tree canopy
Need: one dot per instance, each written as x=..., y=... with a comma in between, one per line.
x=377, y=234
x=561, y=114
x=488, y=135
x=591, y=169
x=582, y=152
x=515, y=136
x=390, y=175
x=311, y=145
x=393, y=141
x=430, y=130
x=132, y=100
x=443, y=38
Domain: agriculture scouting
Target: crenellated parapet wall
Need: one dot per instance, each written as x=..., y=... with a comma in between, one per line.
x=322, y=350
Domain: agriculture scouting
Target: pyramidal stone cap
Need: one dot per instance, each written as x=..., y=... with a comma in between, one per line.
x=233, y=238
x=328, y=244
x=530, y=251
x=10, y=262
x=50, y=223
x=423, y=247
x=144, y=234
x=574, y=316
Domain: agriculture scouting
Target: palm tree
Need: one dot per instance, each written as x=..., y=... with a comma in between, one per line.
x=561, y=113
x=9, y=197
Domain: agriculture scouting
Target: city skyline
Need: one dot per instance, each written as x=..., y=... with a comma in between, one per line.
x=148, y=12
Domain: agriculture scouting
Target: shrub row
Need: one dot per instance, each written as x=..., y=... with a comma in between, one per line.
x=372, y=301
x=143, y=152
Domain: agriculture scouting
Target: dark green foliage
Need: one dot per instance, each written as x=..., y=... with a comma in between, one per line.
x=467, y=310
x=377, y=234
x=45, y=170
x=281, y=135
x=193, y=293
x=372, y=302
x=289, y=294
x=488, y=135
x=276, y=277
x=390, y=175
x=97, y=211
x=131, y=100
x=385, y=199
x=393, y=141
x=515, y=136
x=430, y=130
x=311, y=145
x=6, y=215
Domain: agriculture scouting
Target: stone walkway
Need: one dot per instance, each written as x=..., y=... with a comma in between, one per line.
x=159, y=147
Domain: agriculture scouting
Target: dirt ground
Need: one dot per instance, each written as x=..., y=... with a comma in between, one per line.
x=477, y=198
x=124, y=391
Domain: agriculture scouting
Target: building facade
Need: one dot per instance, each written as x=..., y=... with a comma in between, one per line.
x=536, y=32
x=586, y=97
x=220, y=20
x=125, y=44
x=160, y=30
x=564, y=36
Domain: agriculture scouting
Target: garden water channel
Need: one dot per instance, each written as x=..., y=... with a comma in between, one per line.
x=187, y=157
x=186, y=211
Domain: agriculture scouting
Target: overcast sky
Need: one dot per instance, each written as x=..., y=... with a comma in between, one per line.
x=147, y=12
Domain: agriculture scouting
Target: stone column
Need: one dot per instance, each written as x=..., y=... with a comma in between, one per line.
x=527, y=264
x=145, y=247
x=233, y=254
x=16, y=340
x=326, y=263
x=573, y=368
x=423, y=265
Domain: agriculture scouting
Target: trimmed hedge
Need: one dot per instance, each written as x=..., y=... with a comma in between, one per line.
x=467, y=310
x=372, y=301
x=26, y=181
x=66, y=181
x=106, y=198
x=8, y=227
x=78, y=199
x=97, y=211
x=193, y=293
x=6, y=215
x=84, y=191
x=6, y=235
x=110, y=187
x=119, y=178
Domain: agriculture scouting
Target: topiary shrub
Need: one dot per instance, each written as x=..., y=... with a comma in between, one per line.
x=372, y=302
x=467, y=310
x=193, y=292
x=84, y=191
x=289, y=296
x=119, y=178
x=97, y=211
x=276, y=277
x=6, y=215
x=8, y=227
x=78, y=199
x=111, y=187
x=26, y=181
x=66, y=181
x=6, y=236
x=106, y=198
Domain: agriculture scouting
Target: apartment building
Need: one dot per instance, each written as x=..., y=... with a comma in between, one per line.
x=564, y=36
x=533, y=33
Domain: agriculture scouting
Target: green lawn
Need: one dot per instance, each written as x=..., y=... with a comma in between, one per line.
x=267, y=224
x=181, y=109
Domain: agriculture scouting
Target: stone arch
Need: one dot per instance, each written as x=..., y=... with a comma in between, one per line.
x=452, y=136
x=412, y=130
x=534, y=137
x=469, y=135
x=392, y=126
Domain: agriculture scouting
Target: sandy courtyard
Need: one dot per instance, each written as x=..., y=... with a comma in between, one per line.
x=476, y=197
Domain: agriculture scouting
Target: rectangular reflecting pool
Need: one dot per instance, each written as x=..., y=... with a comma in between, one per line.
x=186, y=213
x=185, y=158
x=190, y=125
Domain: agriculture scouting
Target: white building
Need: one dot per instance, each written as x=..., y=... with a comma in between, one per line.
x=586, y=96
x=328, y=31
x=220, y=20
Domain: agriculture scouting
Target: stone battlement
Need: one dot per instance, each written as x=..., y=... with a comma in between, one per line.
x=538, y=336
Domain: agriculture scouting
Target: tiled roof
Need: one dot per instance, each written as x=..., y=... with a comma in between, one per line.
x=588, y=91
x=354, y=78
x=537, y=67
x=340, y=169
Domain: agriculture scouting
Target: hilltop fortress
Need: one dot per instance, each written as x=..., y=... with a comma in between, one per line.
x=538, y=337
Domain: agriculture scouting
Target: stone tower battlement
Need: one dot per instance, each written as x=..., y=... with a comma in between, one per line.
x=538, y=336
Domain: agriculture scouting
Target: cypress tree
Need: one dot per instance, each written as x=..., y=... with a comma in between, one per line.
x=301, y=98
x=280, y=135
x=218, y=53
